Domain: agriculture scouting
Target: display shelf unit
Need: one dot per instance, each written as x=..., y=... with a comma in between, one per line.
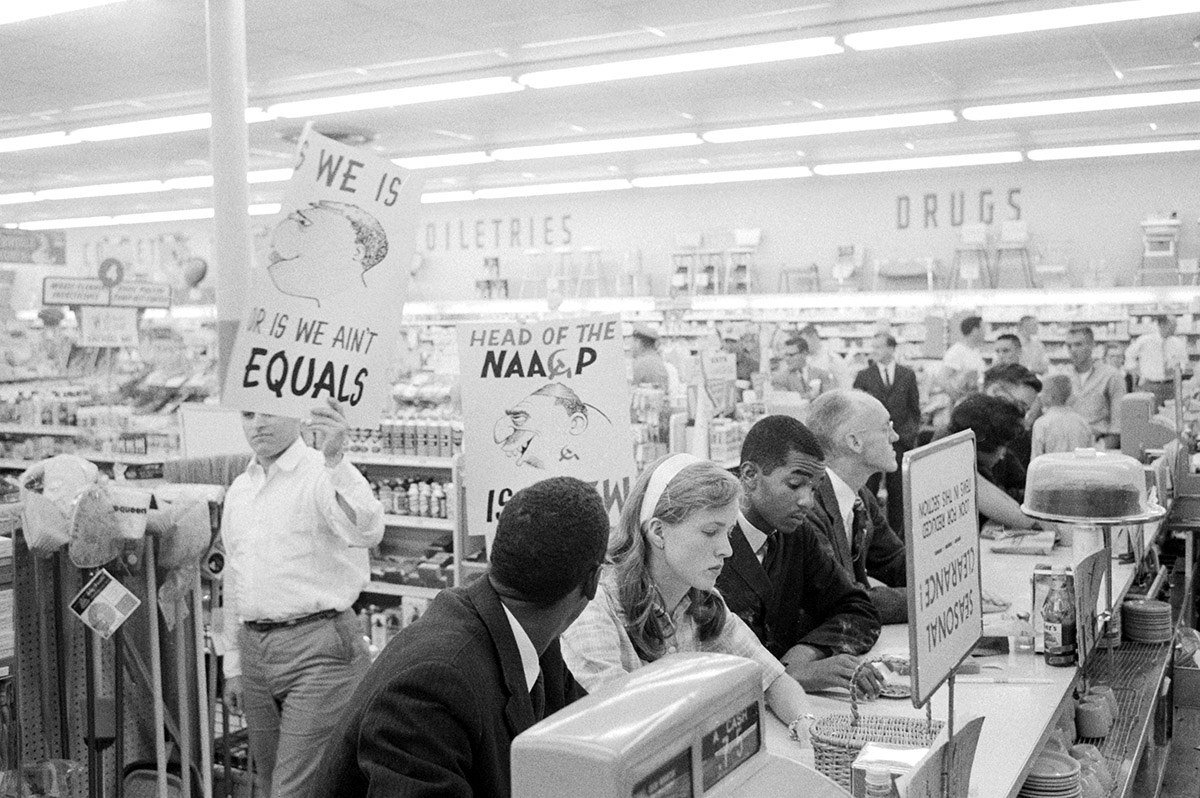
x=400, y=461
x=43, y=429
x=409, y=591
x=419, y=522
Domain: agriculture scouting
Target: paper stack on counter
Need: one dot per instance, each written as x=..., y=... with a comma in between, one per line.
x=1041, y=544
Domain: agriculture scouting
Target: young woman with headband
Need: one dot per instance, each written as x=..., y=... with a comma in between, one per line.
x=657, y=592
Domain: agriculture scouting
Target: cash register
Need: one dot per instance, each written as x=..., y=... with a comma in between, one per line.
x=686, y=726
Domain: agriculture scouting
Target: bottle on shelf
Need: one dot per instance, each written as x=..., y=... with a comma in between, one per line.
x=1058, y=613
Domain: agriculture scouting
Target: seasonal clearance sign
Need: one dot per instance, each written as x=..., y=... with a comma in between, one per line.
x=941, y=538
x=324, y=311
x=544, y=400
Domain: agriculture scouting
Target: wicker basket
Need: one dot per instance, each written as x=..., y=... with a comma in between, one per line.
x=837, y=739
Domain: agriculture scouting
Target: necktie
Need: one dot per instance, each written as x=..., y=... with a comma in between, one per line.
x=537, y=697
x=858, y=523
x=771, y=558
x=887, y=377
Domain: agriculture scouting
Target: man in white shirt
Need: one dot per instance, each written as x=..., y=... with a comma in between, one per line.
x=1033, y=351
x=1155, y=357
x=1096, y=387
x=963, y=364
x=822, y=356
x=297, y=525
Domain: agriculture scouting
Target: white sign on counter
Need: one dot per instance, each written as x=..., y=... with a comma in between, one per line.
x=100, y=326
x=323, y=314
x=945, y=613
x=543, y=400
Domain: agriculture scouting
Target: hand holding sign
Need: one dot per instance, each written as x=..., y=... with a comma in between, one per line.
x=330, y=422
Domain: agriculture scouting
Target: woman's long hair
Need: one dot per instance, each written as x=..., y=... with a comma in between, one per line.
x=699, y=486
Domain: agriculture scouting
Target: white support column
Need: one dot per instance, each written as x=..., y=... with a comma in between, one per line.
x=229, y=148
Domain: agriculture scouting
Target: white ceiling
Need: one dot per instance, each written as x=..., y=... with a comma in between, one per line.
x=147, y=58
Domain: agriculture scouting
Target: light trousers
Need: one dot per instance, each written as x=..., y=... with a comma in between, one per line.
x=296, y=682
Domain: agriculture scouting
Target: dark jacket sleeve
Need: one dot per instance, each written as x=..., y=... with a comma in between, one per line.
x=860, y=380
x=415, y=739
x=914, y=399
x=845, y=621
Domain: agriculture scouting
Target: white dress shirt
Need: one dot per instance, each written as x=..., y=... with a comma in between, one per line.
x=529, y=656
x=1151, y=356
x=291, y=548
x=962, y=358
x=754, y=536
x=845, y=499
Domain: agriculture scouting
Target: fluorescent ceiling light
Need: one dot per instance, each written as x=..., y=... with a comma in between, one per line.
x=19, y=198
x=37, y=141
x=704, y=178
x=449, y=159
x=432, y=197
x=102, y=190
x=144, y=127
x=265, y=209
x=185, y=183
x=906, y=164
x=552, y=188
x=682, y=62
x=596, y=147
x=269, y=175
x=387, y=98
x=1109, y=150
x=1005, y=24
x=818, y=127
x=1075, y=105
x=18, y=12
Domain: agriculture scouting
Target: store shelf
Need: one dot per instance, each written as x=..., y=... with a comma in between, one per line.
x=42, y=429
x=412, y=591
x=419, y=522
x=17, y=464
x=400, y=460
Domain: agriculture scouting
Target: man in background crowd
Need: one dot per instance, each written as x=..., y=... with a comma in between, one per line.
x=1008, y=350
x=895, y=386
x=857, y=436
x=296, y=525
x=1033, y=351
x=437, y=714
x=745, y=350
x=1156, y=357
x=781, y=578
x=1114, y=355
x=796, y=374
x=647, y=362
x=1096, y=388
x=1059, y=429
x=963, y=364
x=821, y=355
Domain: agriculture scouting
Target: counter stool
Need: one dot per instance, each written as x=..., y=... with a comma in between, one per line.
x=1014, y=242
x=971, y=260
x=802, y=280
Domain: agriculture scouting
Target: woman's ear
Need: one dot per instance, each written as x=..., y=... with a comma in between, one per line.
x=654, y=533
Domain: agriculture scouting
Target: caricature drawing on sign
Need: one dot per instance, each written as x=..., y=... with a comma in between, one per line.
x=325, y=249
x=544, y=429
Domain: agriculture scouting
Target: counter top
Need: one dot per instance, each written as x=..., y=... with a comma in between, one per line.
x=1018, y=716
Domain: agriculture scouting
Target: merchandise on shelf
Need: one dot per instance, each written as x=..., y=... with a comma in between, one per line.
x=426, y=498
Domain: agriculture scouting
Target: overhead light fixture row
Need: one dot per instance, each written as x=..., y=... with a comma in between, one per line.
x=122, y=130
x=1024, y=22
x=1111, y=150
x=265, y=209
x=911, y=164
x=1075, y=105
x=19, y=12
x=387, y=98
x=137, y=187
x=820, y=127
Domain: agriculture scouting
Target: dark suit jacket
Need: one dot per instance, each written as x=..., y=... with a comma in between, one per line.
x=813, y=601
x=437, y=713
x=902, y=400
x=877, y=551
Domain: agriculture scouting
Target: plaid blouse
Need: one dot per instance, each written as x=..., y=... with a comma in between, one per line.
x=598, y=650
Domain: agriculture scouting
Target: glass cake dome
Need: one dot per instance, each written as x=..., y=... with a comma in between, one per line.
x=1087, y=485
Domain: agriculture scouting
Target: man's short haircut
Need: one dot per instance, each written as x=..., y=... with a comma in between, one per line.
x=970, y=324
x=550, y=538
x=1013, y=373
x=888, y=339
x=810, y=329
x=800, y=344
x=1162, y=319
x=1058, y=390
x=1027, y=317
x=367, y=231
x=996, y=422
x=773, y=438
x=1012, y=339
x=1085, y=331
x=831, y=412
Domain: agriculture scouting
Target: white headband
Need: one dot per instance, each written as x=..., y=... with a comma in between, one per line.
x=662, y=476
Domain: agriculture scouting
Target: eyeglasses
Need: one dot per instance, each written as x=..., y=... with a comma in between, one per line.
x=888, y=430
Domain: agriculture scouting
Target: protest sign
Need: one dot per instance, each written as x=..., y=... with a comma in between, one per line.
x=941, y=541
x=543, y=400
x=323, y=315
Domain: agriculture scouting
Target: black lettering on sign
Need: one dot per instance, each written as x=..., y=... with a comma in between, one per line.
x=931, y=210
x=986, y=207
x=1013, y=195
x=297, y=375
x=903, y=212
x=958, y=208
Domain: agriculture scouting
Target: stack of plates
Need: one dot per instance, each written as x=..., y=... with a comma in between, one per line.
x=1053, y=775
x=1147, y=621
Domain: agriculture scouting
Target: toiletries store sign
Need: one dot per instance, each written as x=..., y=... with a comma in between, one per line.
x=532, y=231
x=939, y=209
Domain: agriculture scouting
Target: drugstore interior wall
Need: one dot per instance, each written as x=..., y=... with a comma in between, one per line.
x=1088, y=210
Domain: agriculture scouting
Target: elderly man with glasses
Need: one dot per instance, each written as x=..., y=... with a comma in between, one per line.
x=856, y=433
